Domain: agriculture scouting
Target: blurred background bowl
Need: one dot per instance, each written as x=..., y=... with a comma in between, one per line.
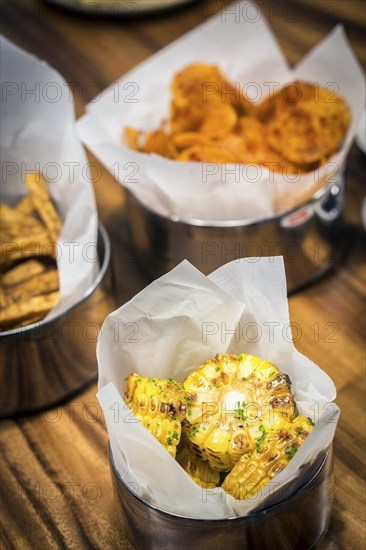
x=45, y=363
x=307, y=237
x=297, y=521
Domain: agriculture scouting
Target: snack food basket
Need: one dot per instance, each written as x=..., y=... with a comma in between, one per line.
x=297, y=521
x=307, y=237
x=46, y=362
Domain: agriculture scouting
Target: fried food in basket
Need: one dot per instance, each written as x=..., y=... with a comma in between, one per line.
x=294, y=131
x=234, y=416
x=29, y=286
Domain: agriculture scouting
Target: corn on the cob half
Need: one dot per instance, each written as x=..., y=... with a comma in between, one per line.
x=279, y=442
x=160, y=405
x=230, y=395
x=199, y=470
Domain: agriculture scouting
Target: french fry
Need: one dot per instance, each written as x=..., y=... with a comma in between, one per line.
x=26, y=205
x=22, y=272
x=34, y=306
x=43, y=205
x=44, y=283
x=25, y=247
x=29, y=288
x=16, y=221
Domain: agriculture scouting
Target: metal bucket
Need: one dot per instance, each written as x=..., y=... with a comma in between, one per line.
x=307, y=237
x=298, y=521
x=45, y=363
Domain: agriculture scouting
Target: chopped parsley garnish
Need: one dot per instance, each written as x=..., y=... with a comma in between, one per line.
x=189, y=405
x=194, y=431
x=244, y=378
x=290, y=450
x=272, y=373
x=217, y=369
x=169, y=440
x=170, y=382
x=239, y=411
x=241, y=356
x=310, y=421
x=175, y=435
x=260, y=440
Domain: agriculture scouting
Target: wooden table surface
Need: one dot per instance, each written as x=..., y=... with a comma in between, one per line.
x=55, y=483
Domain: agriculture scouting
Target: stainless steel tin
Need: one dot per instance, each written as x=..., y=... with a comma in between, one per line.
x=298, y=521
x=45, y=363
x=307, y=237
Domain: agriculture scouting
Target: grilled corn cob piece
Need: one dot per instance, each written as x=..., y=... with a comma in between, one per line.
x=199, y=470
x=230, y=395
x=160, y=405
x=279, y=442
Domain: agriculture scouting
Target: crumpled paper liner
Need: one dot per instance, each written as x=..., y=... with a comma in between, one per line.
x=244, y=48
x=38, y=132
x=167, y=331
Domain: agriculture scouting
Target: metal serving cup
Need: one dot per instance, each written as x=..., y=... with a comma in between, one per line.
x=307, y=237
x=298, y=521
x=45, y=363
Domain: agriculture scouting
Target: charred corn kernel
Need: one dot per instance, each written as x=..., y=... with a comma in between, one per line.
x=273, y=451
x=160, y=405
x=232, y=398
x=199, y=470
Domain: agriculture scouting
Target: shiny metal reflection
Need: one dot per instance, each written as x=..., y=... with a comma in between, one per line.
x=298, y=521
x=307, y=237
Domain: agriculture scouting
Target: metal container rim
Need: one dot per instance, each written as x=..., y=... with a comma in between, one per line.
x=101, y=238
x=196, y=222
x=250, y=516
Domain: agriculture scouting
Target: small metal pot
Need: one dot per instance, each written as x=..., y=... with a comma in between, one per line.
x=45, y=363
x=298, y=521
x=307, y=237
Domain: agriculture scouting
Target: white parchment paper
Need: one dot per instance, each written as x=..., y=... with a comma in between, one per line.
x=38, y=133
x=166, y=331
x=240, y=42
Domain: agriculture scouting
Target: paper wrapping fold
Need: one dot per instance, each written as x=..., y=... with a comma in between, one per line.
x=38, y=132
x=166, y=331
x=244, y=48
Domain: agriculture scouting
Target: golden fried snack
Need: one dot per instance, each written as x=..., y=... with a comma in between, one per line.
x=197, y=83
x=159, y=143
x=206, y=153
x=43, y=205
x=310, y=128
x=29, y=278
x=25, y=205
x=25, y=310
x=43, y=283
x=293, y=131
x=15, y=221
x=22, y=272
x=132, y=138
x=218, y=120
x=185, y=140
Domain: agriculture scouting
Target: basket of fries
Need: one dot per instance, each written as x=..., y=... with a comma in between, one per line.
x=237, y=427
x=53, y=254
x=225, y=152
